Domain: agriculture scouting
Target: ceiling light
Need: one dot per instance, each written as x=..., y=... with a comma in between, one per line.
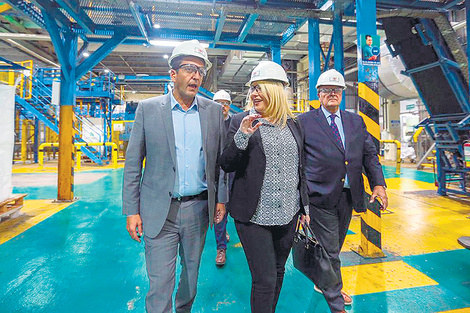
x=165, y=56
x=86, y=54
x=133, y=91
x=156, y=26
x=327, y=5
x=170, y=43
x=106, y=70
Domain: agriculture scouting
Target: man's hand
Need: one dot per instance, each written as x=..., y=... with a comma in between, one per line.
x=219, y=212
x=134, y=226
x=379, y=191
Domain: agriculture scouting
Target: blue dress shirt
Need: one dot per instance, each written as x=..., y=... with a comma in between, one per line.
x=339, y=123
x=190, y=163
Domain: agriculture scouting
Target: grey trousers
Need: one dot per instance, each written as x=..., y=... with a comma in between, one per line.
x=330, y=226
x=185, y=232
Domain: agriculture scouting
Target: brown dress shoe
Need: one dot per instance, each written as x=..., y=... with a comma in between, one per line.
x=220, y=258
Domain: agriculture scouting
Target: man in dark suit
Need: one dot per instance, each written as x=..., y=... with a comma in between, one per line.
x=338, y=147
x=220, y=230
x=181, y=189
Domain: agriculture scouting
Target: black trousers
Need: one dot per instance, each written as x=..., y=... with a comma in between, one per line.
x=266, y=249
x=330, y=226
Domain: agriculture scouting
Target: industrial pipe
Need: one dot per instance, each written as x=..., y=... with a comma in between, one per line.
x=78, y=147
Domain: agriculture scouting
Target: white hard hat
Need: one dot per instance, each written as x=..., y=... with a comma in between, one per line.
x=331, y=78
x=190, y=48
x=222, y=95
x=268, y=70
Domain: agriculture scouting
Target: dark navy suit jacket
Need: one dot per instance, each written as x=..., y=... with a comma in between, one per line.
x=327, y=162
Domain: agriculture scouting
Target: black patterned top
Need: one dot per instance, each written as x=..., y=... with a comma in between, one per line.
x=279, y=200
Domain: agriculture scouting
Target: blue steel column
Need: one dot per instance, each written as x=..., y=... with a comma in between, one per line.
x=314, y=62
x=338, y=44
x=366, y=24
x=68, y=85
x=65, y=45
x=276, y=53
x=467, y=7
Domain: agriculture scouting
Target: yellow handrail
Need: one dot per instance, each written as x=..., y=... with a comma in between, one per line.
x=398, y=143
x=417, y=133
x=78, y=147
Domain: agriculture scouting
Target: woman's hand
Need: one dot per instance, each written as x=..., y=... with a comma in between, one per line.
x=247, y=127
x=304, y=219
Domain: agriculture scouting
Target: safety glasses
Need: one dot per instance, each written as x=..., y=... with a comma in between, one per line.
x=192, y=69
x=254, y=88
x=329, y=91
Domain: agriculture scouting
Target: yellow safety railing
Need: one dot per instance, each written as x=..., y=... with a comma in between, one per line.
x=417, y=133
x=302, y=106
x=398, y=144
x=24, y=88
x=78, y=147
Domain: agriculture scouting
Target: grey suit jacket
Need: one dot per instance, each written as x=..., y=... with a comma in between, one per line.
x=148, y=191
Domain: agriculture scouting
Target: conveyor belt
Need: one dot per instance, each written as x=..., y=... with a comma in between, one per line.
x=439, y=86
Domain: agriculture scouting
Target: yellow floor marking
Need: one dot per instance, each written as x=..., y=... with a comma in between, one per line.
x=379, y=277
x=466, y=310
x=33, y=212
x=408, y=184
x=52, y=168
x=420, y=223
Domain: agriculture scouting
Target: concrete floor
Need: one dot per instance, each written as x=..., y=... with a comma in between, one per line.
x=78, y=257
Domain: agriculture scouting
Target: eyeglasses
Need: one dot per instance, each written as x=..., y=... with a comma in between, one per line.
x=192, y=69
x=329, y=91
x=254, y=88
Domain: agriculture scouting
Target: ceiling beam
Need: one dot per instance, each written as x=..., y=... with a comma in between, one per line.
x=79, y=16
x=139, y=18
x=250, y=20
x=220, y=26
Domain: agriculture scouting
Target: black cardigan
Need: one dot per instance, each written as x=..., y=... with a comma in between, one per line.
x=249, y=167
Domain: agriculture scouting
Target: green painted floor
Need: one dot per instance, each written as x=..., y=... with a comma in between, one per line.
x=82, y=260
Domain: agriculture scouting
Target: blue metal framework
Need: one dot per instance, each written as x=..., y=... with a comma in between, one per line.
x=449, y=130
x=10, y=65
x=40, y=107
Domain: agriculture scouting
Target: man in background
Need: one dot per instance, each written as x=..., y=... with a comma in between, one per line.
x=221, y=235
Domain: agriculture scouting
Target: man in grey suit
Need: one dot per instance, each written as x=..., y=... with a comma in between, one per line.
x=181, y=188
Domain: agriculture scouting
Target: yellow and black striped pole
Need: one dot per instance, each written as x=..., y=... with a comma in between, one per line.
x=371, y=221
x=368, y=79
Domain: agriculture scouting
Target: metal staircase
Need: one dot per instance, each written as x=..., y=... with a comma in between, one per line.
x=38, y=102
x=437, y=65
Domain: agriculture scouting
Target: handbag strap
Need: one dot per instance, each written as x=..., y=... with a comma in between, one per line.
x=307, y=231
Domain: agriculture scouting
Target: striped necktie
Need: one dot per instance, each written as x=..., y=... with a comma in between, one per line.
x=334, y=127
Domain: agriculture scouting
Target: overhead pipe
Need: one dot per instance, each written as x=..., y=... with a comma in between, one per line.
x=32, y=53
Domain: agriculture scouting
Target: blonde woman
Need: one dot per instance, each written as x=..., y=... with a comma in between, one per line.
x=265, y=150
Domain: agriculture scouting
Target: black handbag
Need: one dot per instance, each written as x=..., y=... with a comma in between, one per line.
x=311, y=259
